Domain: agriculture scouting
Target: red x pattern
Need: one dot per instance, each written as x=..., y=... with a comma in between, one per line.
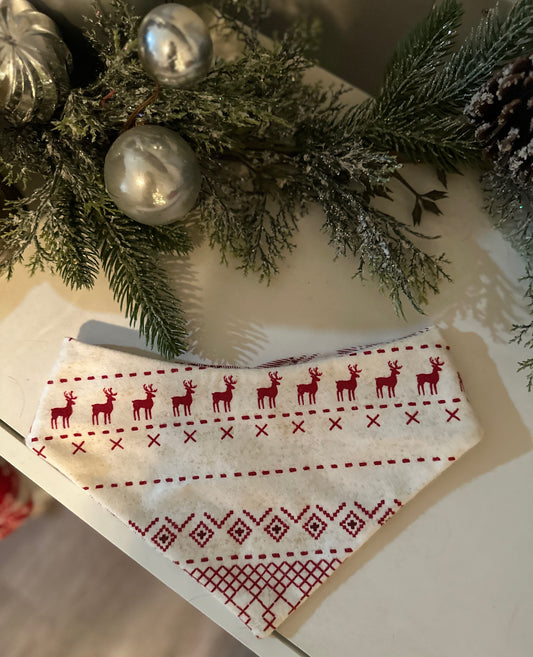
x=298, y=426
x=412, y=417
x=453, y=415
x=373, y=420
x=154, y=440
x=226, y=433
x=190, y=436
x=39, y=452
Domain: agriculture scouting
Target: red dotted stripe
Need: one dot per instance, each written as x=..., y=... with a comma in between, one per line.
x=273, y=555
x=279, y=471
x=379, y=349
x=120, y=375
x=291, y=360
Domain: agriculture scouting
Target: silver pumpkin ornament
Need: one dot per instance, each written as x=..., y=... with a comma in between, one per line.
x=152, y=175
x=175, y=46
x=34, y=63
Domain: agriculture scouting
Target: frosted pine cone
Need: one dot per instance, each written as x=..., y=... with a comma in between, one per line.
x=502, y=113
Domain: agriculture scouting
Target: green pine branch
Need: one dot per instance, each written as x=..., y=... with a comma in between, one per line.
x=140, y=287
x=269, y=145
x=74, y=230
x=418, y=57
x=511, y=209
x=497, y=39
x=419, y=111
x=523, y=333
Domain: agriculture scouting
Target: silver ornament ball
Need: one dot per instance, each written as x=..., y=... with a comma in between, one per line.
x=34, y=63
x=152, y=175
x=175, y=46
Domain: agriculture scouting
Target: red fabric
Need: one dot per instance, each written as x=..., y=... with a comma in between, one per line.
x=15, y=502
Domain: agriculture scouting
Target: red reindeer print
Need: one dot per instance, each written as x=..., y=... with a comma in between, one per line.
x=432, y=378
x=184, y=400
x=390, y=381
x=147, y=403
x=225, y=396
x=106, y=408
x=349, y=384
x=271, y=392
x=64, y=412
x=309, y=388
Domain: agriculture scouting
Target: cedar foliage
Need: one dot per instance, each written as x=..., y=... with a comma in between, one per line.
x=269, y=145
x=511, y=207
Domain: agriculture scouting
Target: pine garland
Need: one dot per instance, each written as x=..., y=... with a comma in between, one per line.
x=419, y=111
x=269, y=144
x=511, y=207
x=419, y=114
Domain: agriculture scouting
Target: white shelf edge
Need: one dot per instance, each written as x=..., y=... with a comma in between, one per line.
x=14, y=450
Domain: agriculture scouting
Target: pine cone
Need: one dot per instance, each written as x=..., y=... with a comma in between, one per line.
x=502, y=113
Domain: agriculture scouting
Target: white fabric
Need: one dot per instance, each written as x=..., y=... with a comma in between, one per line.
x=270, y=482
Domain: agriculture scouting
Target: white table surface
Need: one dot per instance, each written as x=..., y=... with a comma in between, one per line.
x=450, y=575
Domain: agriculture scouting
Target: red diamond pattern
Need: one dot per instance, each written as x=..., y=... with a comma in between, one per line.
x=164, y=538
x=202, y=534
x=277, y=528
x=315, y=526
x=239, y=531
x=265, y=592
x=352, y=523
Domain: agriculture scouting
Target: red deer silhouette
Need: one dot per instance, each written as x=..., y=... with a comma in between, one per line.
x=63, y=412
x=225, y=396
x=350, y=384
x=146, y=403
x=184, y=400
x=271, y=392
x=106, y=408
x=432, y=378
x=309, y=388
x=390, y=381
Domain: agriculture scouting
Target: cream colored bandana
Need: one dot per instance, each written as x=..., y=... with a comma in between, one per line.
x=257, y=482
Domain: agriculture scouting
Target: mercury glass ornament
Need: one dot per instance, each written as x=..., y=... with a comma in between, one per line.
x=34, y=63
x=175, y=46
x=152, y=175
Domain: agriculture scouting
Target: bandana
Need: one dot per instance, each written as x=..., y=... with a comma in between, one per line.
x=257, y=482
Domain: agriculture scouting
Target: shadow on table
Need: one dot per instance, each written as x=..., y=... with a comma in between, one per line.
x=506, y=437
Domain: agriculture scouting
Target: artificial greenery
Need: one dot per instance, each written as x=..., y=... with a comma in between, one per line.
x=418, y=112
x=511, y=207
x=269, y=145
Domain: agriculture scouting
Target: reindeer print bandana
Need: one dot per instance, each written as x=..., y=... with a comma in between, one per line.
x=257, y=482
